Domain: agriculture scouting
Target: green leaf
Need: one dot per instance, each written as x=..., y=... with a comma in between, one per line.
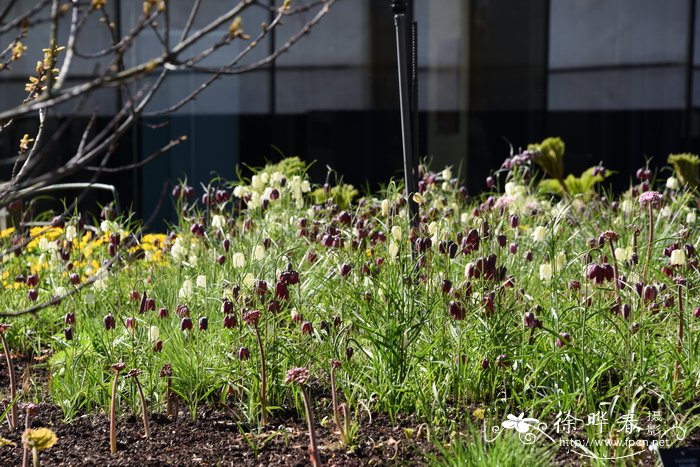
x=687, y=168
x=583, y=185
x=549, y=155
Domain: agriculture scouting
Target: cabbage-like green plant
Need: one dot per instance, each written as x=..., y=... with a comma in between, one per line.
x=583, y=185
x=687, y=168
x=549, y=155
x=341, y=194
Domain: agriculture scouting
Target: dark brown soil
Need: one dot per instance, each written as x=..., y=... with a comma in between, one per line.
x=213, y=439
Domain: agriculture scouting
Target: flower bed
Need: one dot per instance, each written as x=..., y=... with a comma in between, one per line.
x=550, y=299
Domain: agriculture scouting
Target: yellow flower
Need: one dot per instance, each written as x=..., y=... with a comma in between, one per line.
x=18, y=50
x=33, y=85
x=98, y=4
x=155, y=240
x=236, y=29
x=24, y=143
x=6, y=442
x=418, y=198
x=39, y=438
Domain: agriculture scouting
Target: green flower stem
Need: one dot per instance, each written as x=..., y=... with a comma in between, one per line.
x=13, y=384
x=314, y=458
x=113, y=415
x=169, y=403
x=679, y=346
x=336, y=412
x=263, y=379
x=144, y=408
x=616, y=274
x=650, y=239
x=340, y=413
x=25, y=448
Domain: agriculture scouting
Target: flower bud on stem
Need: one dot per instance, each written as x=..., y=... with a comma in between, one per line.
x=144, y=408
x=313, y=448
x=263, y=379
x=340, y=413
x=116, y=368
x=679, y=346
x=616, y=274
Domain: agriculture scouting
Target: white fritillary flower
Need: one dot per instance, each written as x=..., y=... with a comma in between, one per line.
x=545, y=272
x=539, y=233
x=678, y=257
x=238, y=260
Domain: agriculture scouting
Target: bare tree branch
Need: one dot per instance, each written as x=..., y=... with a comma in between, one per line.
x=138, y=82
x=141, y=163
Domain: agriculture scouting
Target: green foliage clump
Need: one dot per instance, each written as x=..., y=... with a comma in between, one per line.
x=289, y=166
x=428, y=324
x=342, y=195
x=549, y=155
x=583, y=185
x=687, y=168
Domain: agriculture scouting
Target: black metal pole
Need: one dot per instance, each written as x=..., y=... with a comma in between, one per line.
x=272, y=77
x=410, y=172
x=414, y=90
x=689, y=68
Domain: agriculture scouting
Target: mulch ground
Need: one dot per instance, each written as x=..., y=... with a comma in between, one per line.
x=213, y=439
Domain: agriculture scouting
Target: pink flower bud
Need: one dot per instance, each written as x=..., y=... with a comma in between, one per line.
x=32, y=280
x=564, y=338
x=307, y=328
x=109, y=322
x=32, y=295
x=252, y=317
x=229, y=322
x=456, y=311
x=260, y=287
x=281, y=291
x=345, y=269
x=529, y=319
x=186, y=324
x=650, y=293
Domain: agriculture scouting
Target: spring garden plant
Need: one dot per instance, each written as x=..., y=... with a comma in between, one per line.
x=541, y=296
